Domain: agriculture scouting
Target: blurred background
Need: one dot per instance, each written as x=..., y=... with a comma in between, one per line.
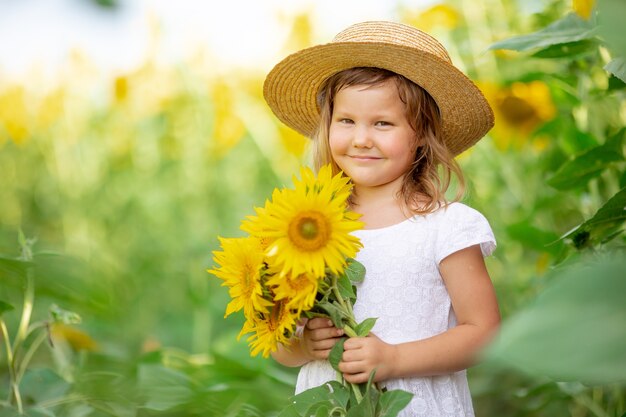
x=133, y=133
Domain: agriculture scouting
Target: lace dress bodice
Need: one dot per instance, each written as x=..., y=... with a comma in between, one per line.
x=404, y=290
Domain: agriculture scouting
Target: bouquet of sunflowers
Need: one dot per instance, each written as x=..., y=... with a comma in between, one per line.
x=298, y=262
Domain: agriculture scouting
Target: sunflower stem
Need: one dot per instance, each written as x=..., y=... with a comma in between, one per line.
x=346, y=307
x=357, y=392
x=349, y=331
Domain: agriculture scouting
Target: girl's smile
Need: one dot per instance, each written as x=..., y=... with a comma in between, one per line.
x=370, y=137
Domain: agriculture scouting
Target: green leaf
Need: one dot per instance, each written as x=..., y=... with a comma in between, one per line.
x=341, y=393
x=10, y=266
x=567, y=30
x=345, y=288
x=366, y=408
x=575, y=329
x=567, y=50
x=43, y=384
x=64, y=316
x=163, y=388
x=4, y=307
x=535, y=238
x=355, y=271
x=289, y=411
x=363, y=328
x=392, y=402
x=301, y=403
x=603, y=225
x=617, y=67
x=336, y=353
x=588, y=165
x=336, y=313
x=370, y=381
x=39, y=412
x=319, y=409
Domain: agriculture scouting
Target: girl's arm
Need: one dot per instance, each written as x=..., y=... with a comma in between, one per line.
x=318, y=337
x=476, y=308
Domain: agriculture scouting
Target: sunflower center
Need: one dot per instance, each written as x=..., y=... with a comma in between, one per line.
x=309, y=231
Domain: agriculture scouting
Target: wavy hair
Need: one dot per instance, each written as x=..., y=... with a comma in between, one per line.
x=425, y=184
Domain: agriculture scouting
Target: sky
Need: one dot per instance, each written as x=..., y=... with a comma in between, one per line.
x=235, y=33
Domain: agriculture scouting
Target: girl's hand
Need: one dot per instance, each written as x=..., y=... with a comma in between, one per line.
x=362, y=355
x=319, y=337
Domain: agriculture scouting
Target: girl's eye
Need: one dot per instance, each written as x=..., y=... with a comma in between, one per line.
x=383, y=123
x=346, y=121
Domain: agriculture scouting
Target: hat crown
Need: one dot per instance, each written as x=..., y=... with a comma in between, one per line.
x=395, y=34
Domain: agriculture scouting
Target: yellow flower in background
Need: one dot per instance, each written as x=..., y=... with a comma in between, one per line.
x=120, y=88
x=438, y=16
x=309, y=225
x=300, y=35
x=519, y=109
x=14, y=116
x=583, y=8
x=292, y=141
x=240, y=264
x=51, y=109
x=228, y=128
x=268, y=330
x=74, y=337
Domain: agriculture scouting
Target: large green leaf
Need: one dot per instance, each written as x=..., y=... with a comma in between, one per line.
x=569, y=29
x=332, y=392
x=355, y=271
x=604, y=225
x=588, y=165
x=567, y=50
x=392, y=402
x=16, y=267
x=336, y=353
x=575, y=329
x=345, y=288
x=535, y=238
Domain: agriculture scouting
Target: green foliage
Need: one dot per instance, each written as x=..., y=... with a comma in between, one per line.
x=568, y=30
x=333, y=399
x=127, y=193
x=576, y=328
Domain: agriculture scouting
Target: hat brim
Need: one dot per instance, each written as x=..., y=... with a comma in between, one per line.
x=292, y=85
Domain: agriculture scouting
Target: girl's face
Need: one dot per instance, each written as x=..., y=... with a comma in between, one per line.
x=370, y=137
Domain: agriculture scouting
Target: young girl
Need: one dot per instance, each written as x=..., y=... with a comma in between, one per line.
x=384, y=104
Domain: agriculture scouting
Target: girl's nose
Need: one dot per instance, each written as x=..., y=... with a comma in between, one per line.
x=361, y=138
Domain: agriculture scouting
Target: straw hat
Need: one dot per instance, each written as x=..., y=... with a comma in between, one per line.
x=292, y=86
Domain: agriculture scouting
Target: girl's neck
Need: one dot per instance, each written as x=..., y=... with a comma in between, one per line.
x=378, y=207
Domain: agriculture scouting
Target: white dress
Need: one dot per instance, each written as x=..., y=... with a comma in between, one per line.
x=404, y=290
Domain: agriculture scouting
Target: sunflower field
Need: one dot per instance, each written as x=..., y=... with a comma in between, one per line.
x=115, y=188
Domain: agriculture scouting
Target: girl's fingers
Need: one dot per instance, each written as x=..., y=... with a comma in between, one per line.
x=321, y=354
x=324, y=344
x=318, y=323
x=326, y=333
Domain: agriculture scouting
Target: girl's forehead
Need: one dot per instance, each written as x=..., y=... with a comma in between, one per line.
x=384, y=93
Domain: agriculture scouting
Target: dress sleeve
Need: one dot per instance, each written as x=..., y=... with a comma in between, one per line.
x=460, y=227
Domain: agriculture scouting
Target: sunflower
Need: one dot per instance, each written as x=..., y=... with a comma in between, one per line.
x=270, y=329
x=309, y=227
x=299, y=291
x=240, y=265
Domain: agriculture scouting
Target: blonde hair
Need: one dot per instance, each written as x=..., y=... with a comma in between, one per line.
x=423, y=179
